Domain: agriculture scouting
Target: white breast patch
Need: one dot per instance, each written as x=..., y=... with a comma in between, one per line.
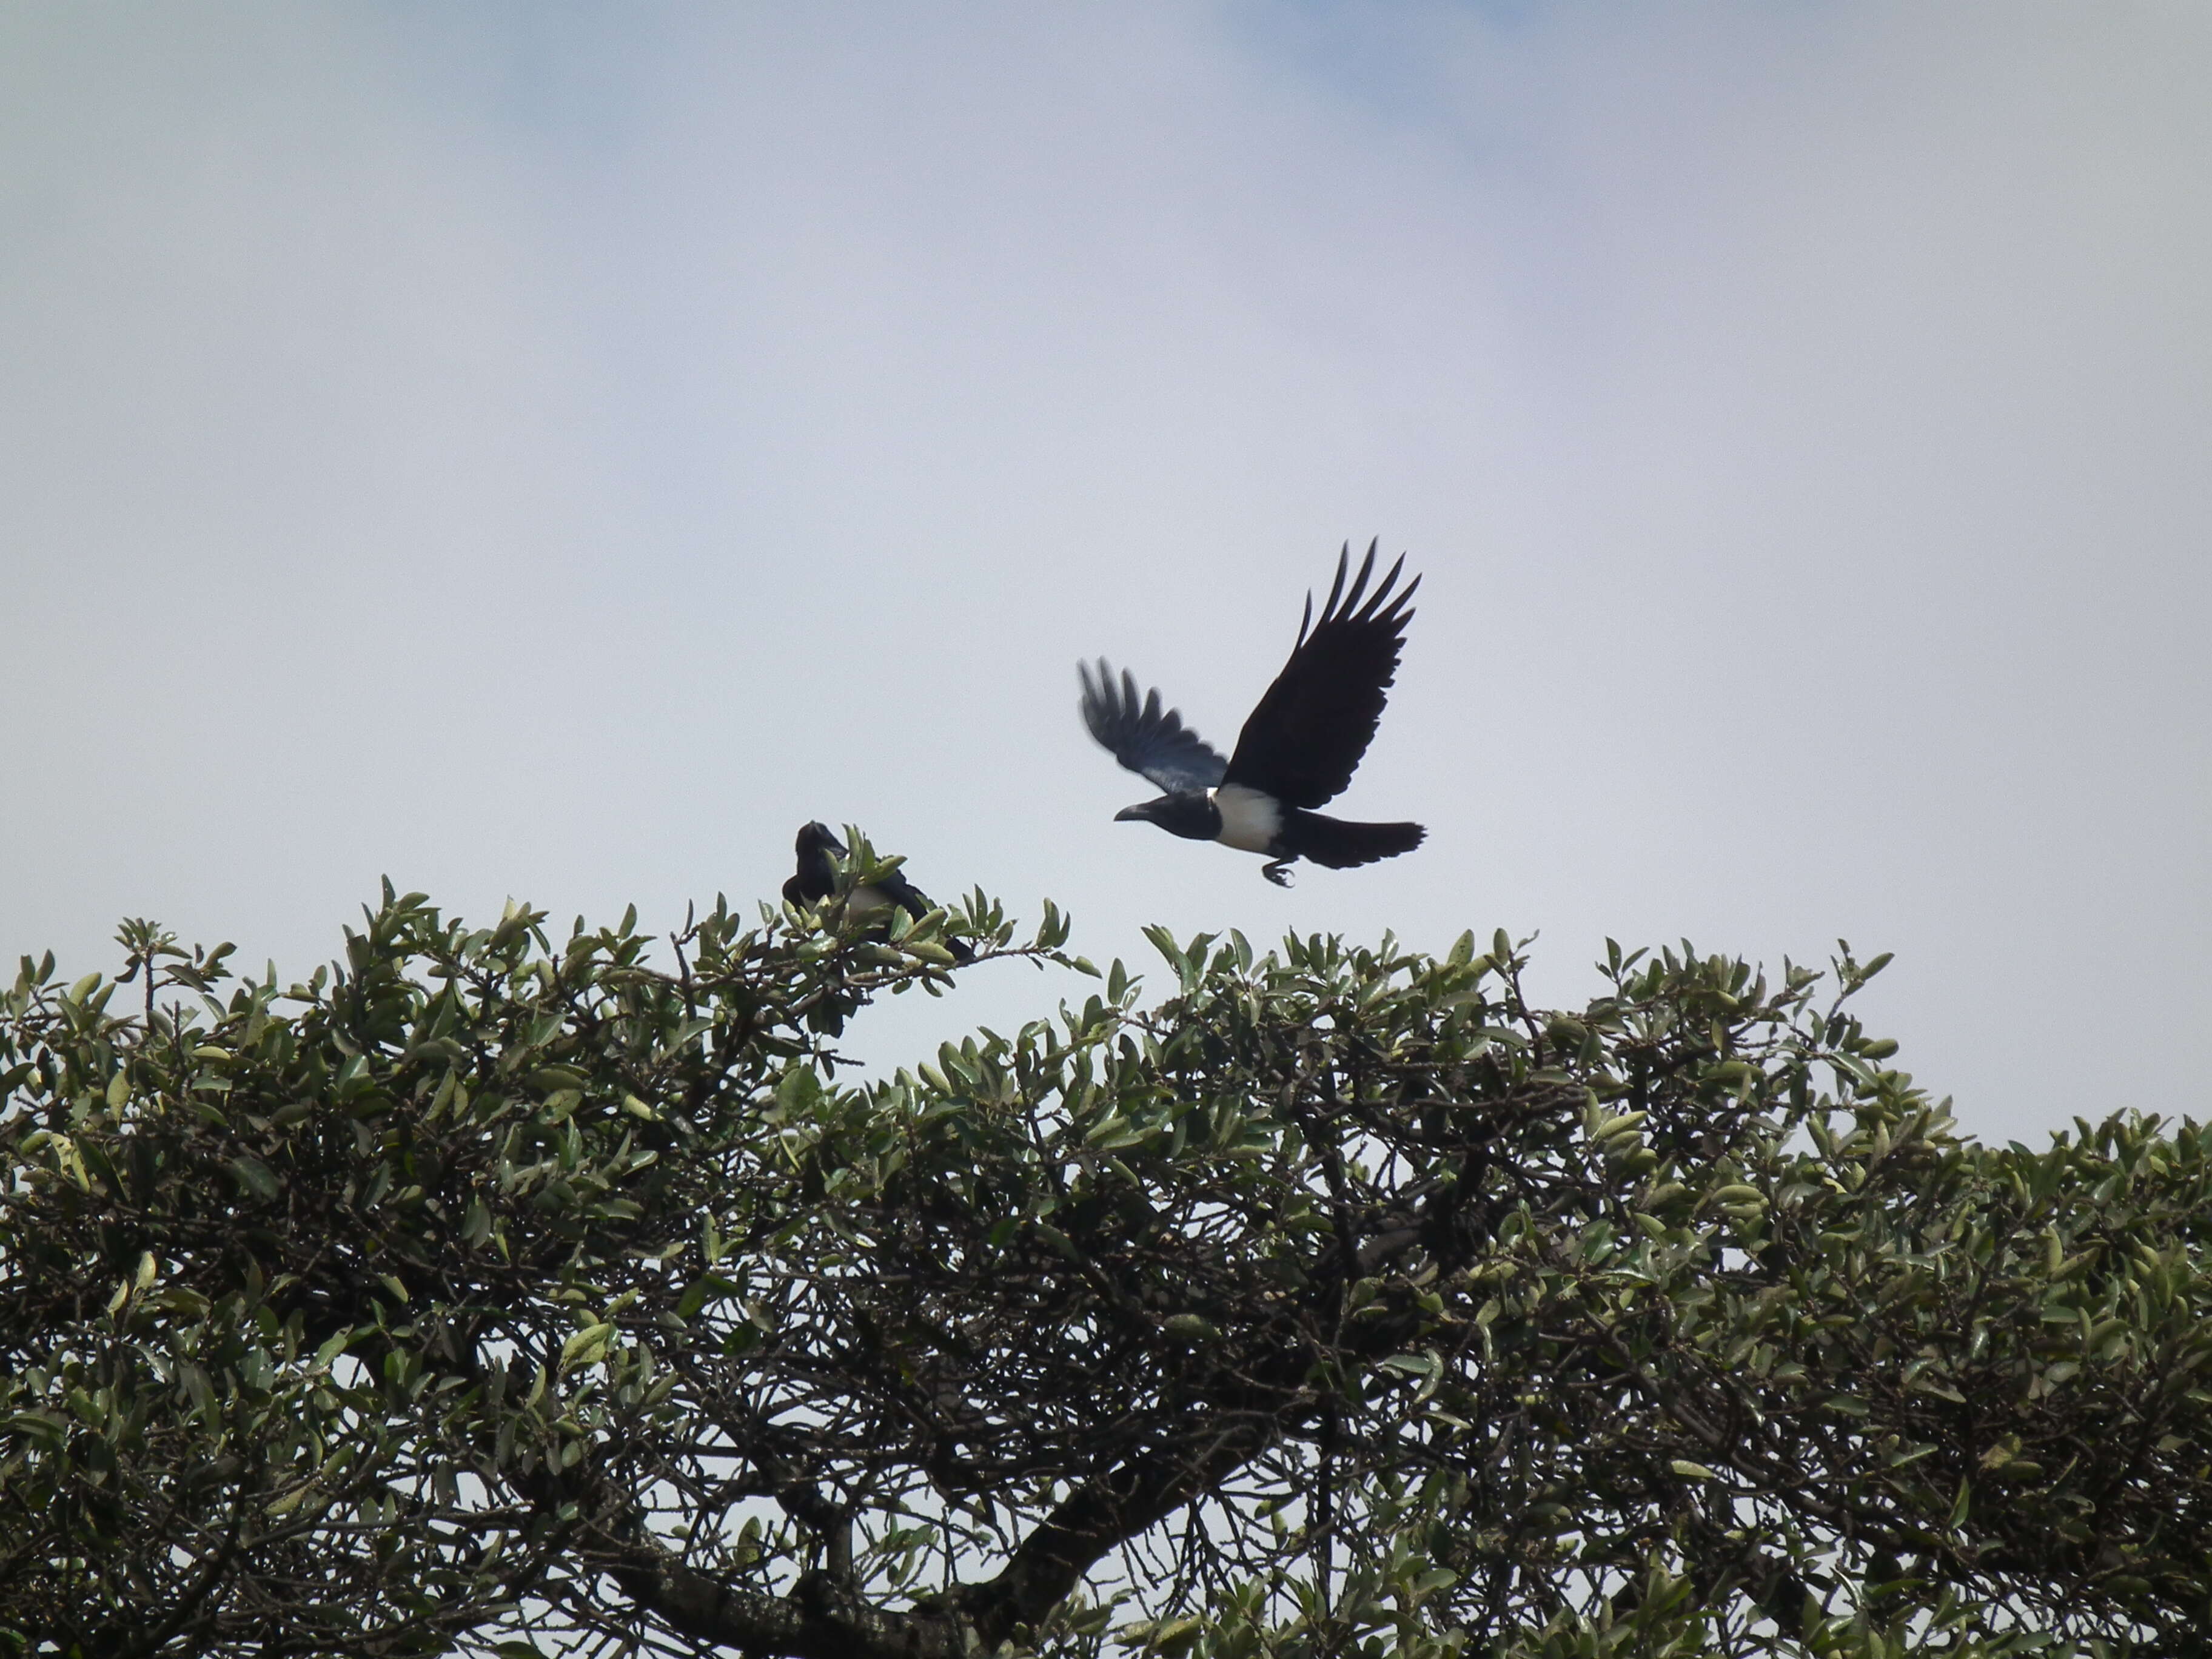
x=1249, y=818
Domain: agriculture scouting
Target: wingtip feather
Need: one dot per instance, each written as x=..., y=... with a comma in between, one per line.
x=1359, y=582
x=1336, y=587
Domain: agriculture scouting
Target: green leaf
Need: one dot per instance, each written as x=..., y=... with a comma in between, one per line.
x=587, y=1346
x=254, y=1177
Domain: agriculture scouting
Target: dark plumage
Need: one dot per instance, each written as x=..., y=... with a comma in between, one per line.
x=1298, y=748
x=816, y=879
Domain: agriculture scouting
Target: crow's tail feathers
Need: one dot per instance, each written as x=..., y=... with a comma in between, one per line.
x=1336, y=844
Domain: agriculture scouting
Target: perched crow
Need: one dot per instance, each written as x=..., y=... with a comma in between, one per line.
x=816, y=879
x=1298, y=749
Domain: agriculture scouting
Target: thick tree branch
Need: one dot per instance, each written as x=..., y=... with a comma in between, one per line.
x=814, y=1622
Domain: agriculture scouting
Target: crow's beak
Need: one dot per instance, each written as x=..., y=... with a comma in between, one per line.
x=1141, y=813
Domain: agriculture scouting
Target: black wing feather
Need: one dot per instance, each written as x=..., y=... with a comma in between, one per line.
x=1304, y=741
x=1151, y=741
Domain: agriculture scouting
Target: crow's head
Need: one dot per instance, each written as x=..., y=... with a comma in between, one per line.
x=1189, y=813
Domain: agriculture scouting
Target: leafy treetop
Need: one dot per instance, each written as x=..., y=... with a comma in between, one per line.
x=487, y=1291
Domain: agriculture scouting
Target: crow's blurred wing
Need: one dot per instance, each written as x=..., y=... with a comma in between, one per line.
x=1146, y=738
x=1305, y=740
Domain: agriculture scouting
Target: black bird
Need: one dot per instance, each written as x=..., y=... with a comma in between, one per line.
x=816, y=879
x=1298, y=749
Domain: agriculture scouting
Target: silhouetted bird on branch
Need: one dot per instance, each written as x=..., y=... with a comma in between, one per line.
x=816, y=880
x=1298, y=748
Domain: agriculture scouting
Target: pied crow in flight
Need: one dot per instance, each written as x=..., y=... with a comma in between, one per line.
x=1298, y=747
x=816, y=879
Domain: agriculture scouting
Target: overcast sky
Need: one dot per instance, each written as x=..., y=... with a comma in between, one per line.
x=554, y=451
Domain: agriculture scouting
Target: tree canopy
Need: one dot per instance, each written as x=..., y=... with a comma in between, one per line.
x=492, y=1293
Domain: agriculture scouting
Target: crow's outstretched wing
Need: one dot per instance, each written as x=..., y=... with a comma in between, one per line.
x=1144, y=736
x=1305, y=740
